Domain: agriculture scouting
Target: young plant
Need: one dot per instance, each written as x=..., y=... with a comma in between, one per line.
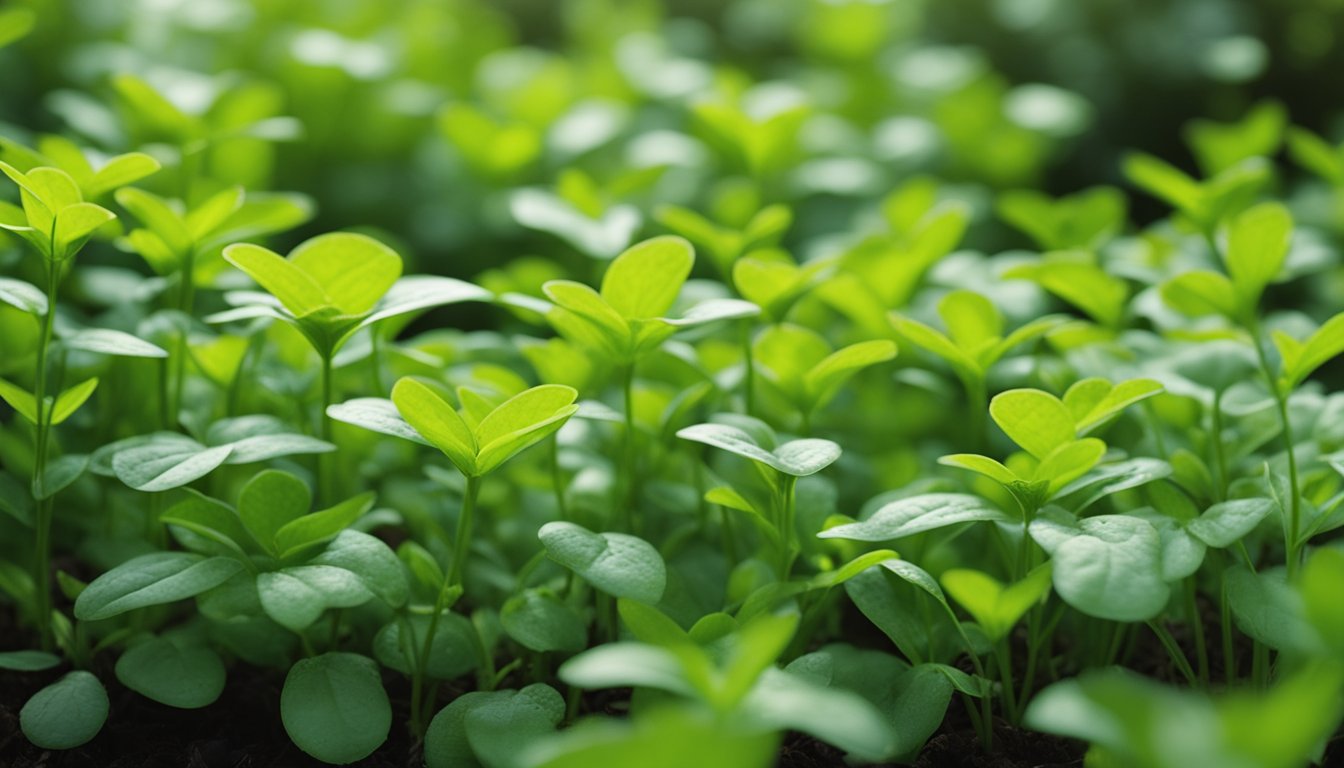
x=626, y=320
x=56, y=222
x=779, y=466
x=801, y=367
x=477, y=440
x=271, y=557
x=331, y=287
x=974, y=341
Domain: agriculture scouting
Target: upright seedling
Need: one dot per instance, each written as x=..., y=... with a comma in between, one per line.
x=779, y=465
x=627, y=319
x=477, y=440
x=330, y=287
x=57, y=222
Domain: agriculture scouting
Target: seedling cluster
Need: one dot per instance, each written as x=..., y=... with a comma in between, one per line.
x=714, y=474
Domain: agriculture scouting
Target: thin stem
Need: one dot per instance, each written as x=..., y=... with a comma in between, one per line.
x=1219, y=455
x=1003, y=657
x=631, y=469
x=325, y=469
x=558, y=479
x=1225, y=626
x=42, y=557
x=1197, y=627
x=1178, y=656
x=448, y=590
x=1291, y=533
x=788, y=521
x=749, y=368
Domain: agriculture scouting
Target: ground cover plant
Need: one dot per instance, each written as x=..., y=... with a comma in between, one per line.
x=595, y=383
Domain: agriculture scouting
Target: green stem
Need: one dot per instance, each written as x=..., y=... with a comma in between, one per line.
x=1003, y=658
x=42, y=557
x=631, y=469
x=1178, y=656
x=749, y=368
x=461, y=546
x=325, y=470
x=1197, y=627
x=1225, y=625
x=788, y=533
x=1219, y=455
x=558, y=479
x=1291, y=532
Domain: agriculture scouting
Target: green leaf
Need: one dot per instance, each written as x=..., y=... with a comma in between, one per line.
x=798, y=458
x=67, y=713
x=77, y=222
x=1069, y=462
x=159, y=217
x=501, y=729
x=1268, y=608
x=437, y=422
x=1033, y=419
x=303, y=532
x=28, y=661
x=917, y=514
x=334, y=707
x=298, y=291
x=15, y=23
x=109, y=342
x=1092, y=402
x=1074, y=278
x=644, y=280
x=61, y=472
x=662, y=737
x=996, y=608
x=452, y=653
x=212, y=519
x=69, y=401
x=1164, y=181
x=153, y=579
x=982, y=465
x=1257, y=246
x=20, y=400
x=826, y=377
x=186, y=676
x=1201, y=293
x=520, y=422
x=1228, y=522
x=838, y=717
x=120, y=171
x=352, y=271
x=296, y=597
x=616, y=563
x=541, y=622
x=166, y=462
x=1301, y=359
x=269, y=501
x=371, y=561
x=24, y=297
x=1107, y=566
x=376, y=414
x=1315, y=155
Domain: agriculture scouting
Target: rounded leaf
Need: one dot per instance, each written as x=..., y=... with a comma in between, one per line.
x=67, y=713
x=334, y=707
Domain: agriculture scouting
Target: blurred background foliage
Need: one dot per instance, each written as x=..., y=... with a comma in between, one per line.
x=471, y=132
